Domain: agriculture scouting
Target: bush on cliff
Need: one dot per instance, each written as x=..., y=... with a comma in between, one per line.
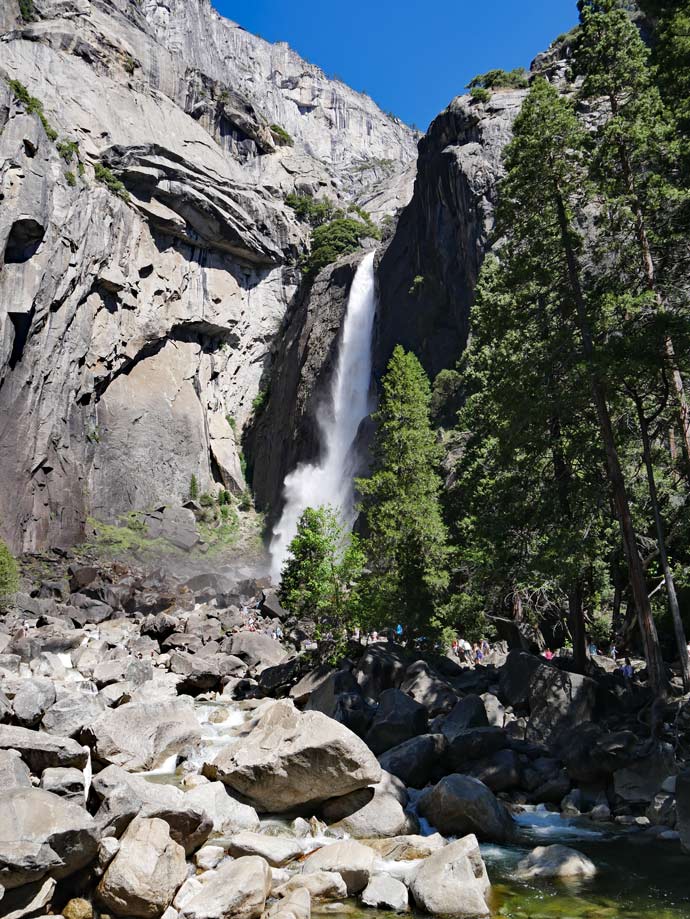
x=9, y=574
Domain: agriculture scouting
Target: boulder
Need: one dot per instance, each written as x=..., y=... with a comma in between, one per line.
x=397, y=719
x=42, y=834
x=255, y=649
x=382, y=814
x=495, y=713
x=28, y=900
x=516, y=676
x=407, y=848
x=682, y=810
x=124, y=796
x=277, y=850
x=418, y=761
x=238, y=889
x=473, y=744
x=14, y=772
x=453, y=881
x=385, y=892
x=381, y=667
x=500, y=772
x=427, y=689
x=140, y=736
x=68, y=783
x=72, y=713
x=229, y=815
x=144, y=875
x=467, y=713
x=460, y=804
x=638, y=782
x=322, y=885
x=32, y=699
x=353, y=861
x=559, y=701
x=295, y=905
x=555, y=862
x=77, y=908
x=40, y=750
x=290, y=759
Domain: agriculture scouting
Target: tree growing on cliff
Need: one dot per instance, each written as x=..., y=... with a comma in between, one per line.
x=9, y=575
x=320, y=579
x=406, y=545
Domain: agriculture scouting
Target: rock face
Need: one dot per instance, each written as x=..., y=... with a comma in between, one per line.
x=442, y=235
x=291, y=759
x=132, y=324
x=144, y=875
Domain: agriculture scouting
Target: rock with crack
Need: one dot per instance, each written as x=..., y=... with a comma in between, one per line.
x=291, y=759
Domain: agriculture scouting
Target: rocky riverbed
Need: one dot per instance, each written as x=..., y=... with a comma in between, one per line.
x=162, y=753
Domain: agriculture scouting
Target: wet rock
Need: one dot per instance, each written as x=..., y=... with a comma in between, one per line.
x=384, y=892
x=146, y=872
x=42, y=834
x=291, y=759
x=555, y=862
x=398, y=718
x=353, y=861
x=238, y=888
x=140, y=736
x=460, y=804
x=453, y=881
x=417, y=761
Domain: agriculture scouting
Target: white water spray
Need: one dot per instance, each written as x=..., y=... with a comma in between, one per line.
x=331, y=480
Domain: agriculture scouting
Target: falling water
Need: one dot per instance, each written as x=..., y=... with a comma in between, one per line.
x=330, y=481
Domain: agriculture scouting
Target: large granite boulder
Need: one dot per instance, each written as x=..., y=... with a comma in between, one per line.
x=386, y=892
x=42, y=834
x=379, y=816
x=558, y=701
x=425, y=687
x=291, y=759
x=40, y=750
x=453, y=881
x=140, y=736
x=229, y=815
x=417, y=761
x=469, y=712
x=516, y=676
x=255, y=649
x=397, y=719
x=14, y=773
x=238, y=889
x=73, y=712
x=32, y=699
x=124, y=796
x=353, y=861
x=145, y=874
x=460, y=804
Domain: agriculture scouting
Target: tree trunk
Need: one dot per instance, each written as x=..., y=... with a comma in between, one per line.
x=655, y=668
x=671, y=595
x=577, y=627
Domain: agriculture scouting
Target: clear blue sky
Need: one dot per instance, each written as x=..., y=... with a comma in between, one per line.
x=411, y=56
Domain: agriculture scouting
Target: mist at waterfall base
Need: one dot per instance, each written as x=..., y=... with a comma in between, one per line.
x=330, y=480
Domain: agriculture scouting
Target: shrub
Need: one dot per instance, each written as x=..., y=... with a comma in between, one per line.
x=480, y=95
x=68, y=149
x=223, y=497
x=27, y=11
x=130, y=64
x=339, y=237
x=259, y=401
x=71, y=179
x=104, y=175
x=80, y=169
x=500, y=79
x=206, y=500
x=245, y=501
x=9, y=574
x=417, y=285
x=281, y=136
x=193, y=488
x=314, y=211
x=232, y=422
x=33, y=106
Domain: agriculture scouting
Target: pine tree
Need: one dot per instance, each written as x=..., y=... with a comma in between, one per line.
x=9, y=574
x=320, y=579
x=544, y=204
x=406, y=543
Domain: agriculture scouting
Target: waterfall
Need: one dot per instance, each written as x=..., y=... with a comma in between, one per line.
x=330, y=481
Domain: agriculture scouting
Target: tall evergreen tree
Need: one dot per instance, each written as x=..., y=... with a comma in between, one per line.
x=544, y=200
x=406, y=542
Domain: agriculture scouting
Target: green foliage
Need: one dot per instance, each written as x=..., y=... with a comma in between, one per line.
x=232, y=421
x=406, y=543
x=104, y=175
x=260, y=400
x=27, y=11
x=71, y=179
x=339, y=237
x=479, y=94
x=68, y=149
x=320, y=579
x=446, y=397
x=416, y=286
x=130, y=64
x=281, y=136
x=33, y=106
x=500, y=79
x=9, y=575
x=314, y=211
x=193, y=493
x=80, y=169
